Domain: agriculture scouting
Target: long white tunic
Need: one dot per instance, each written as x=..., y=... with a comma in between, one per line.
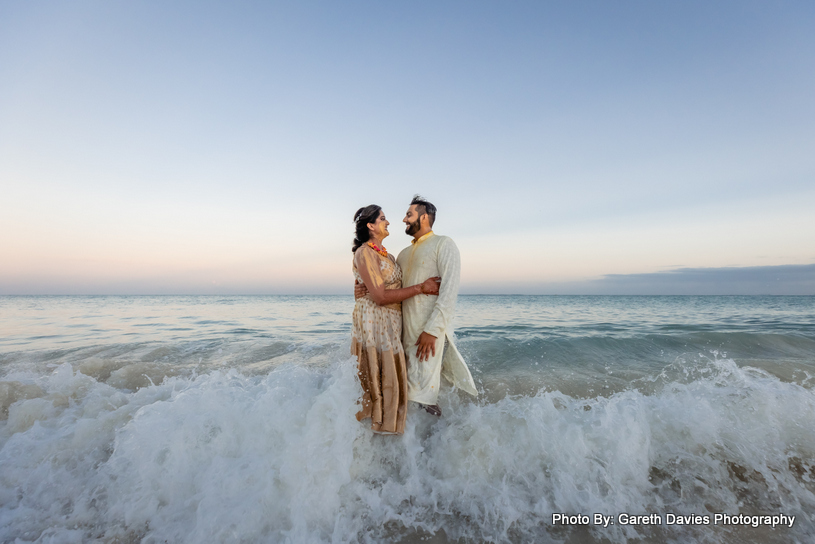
x=430, y=256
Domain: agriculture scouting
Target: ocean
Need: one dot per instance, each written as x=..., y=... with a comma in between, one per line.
x=189, y=419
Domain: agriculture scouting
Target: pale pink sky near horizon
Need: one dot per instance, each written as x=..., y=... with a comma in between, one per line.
x=149, y=148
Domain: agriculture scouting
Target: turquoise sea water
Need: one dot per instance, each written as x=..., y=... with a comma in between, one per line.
x=226, y=419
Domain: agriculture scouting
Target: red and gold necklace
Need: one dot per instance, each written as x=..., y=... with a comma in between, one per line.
x=381, y=250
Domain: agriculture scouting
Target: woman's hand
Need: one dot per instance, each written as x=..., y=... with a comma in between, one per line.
x=430, y=286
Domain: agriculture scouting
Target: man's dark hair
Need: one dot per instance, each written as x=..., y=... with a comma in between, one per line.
x=423, y=206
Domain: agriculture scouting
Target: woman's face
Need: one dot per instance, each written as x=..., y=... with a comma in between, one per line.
x=379, y=229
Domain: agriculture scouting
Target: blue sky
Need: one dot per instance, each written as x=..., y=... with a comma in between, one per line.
x=203, y=147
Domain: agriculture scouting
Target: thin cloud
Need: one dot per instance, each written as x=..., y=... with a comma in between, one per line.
x=792, y=279
x=749, y=280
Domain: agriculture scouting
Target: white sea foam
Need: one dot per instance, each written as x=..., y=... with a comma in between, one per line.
x=226, y=457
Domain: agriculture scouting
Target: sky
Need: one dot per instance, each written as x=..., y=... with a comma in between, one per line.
x=585, y=147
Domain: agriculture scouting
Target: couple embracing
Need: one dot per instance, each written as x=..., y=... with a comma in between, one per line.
x=402, y=321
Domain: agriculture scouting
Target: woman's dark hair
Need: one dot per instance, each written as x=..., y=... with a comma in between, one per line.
x=368, y=214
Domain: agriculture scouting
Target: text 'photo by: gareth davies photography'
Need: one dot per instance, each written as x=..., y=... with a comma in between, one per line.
x=193, y=419
x=460, y=272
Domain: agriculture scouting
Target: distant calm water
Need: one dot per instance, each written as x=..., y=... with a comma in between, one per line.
x=226, y=419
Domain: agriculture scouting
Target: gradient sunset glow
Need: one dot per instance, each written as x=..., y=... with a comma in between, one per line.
x=222, y=148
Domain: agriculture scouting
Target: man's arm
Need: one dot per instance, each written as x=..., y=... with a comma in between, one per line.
x=429, y=289
x=449, y=263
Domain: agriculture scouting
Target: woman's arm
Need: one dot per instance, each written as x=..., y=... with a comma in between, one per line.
x=368, y=266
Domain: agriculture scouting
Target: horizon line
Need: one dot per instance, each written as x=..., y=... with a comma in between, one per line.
x=351, y=294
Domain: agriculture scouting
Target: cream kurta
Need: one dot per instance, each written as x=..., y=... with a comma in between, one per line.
x=432, y=256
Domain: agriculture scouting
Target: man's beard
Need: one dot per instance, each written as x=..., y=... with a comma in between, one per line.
x=413, y=228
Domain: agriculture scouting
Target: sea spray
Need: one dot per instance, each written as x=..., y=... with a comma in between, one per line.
x=223, y=457
x=224, y=419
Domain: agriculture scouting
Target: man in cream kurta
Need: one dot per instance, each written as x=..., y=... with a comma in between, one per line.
x=431, y=255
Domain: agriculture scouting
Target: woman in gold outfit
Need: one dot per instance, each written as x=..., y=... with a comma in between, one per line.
x=376, y=333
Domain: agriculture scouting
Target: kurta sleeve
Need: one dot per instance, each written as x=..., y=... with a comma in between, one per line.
x=366, y=259
x=449, y=263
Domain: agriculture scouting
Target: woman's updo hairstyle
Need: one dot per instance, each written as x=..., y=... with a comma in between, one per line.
x=368, y=214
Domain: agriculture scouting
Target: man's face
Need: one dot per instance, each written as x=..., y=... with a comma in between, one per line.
x=413, y=221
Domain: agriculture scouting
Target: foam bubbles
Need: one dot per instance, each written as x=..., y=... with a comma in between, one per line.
x=13, y=391
x=225, y=457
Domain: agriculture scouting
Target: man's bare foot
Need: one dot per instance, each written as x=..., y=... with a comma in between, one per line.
x=432, y=409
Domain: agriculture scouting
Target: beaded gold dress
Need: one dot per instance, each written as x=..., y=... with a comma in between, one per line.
x=376, y=340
